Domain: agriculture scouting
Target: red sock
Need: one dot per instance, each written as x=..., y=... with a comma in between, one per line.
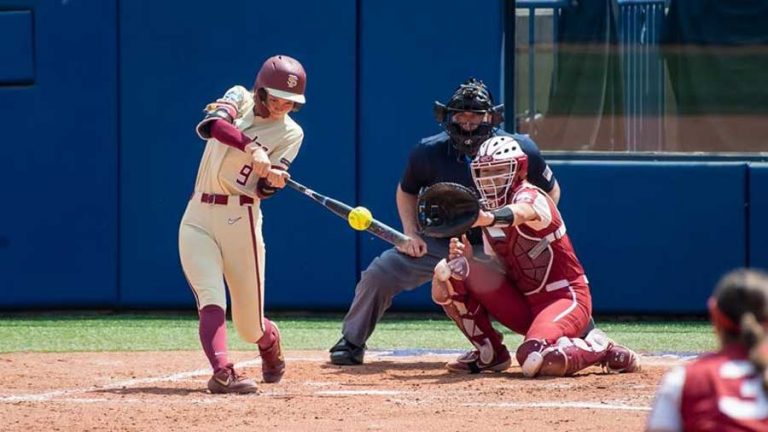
x=213, y=336
x=269, y=336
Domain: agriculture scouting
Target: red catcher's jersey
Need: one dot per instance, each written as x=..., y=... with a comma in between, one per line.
x=538, y=254
x=722, y=392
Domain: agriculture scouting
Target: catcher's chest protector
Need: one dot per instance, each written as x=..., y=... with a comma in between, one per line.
x=528, y=258
x=534, y=259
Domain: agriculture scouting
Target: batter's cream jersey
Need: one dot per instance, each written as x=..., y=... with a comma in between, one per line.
x=227, y=170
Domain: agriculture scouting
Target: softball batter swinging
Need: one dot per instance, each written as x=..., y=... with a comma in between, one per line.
x=251, y=142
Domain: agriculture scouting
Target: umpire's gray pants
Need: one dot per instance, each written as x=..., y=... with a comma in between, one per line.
x=388, y=275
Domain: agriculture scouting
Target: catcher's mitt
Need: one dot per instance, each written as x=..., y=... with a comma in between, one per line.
x=447, y=210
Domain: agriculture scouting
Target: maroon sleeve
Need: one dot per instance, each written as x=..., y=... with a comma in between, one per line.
x=229, y=134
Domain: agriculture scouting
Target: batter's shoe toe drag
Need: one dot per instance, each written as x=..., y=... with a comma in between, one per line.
x=471, y=363
x=345, y=353
x=621, y=359
x=228, y=380
x=272, y=361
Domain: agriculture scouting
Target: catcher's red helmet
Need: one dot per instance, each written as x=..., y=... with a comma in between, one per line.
x=284, y=77
x=499, y=166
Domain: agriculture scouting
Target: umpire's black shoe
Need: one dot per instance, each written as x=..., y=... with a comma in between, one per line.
x=347, y=354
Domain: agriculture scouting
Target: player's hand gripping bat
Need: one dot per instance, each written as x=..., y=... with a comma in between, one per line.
x=380, y=230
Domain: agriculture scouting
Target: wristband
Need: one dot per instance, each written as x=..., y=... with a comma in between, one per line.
x=503, y=217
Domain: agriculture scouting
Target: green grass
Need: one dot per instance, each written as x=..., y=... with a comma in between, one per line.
x=64, y=332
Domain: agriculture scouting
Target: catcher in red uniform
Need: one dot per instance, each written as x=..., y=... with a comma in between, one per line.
x=532, y=283
x=727, y=390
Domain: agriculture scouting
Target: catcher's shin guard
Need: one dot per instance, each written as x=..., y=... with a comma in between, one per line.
x=473, y=321
x=621, y=359
x=570, y=355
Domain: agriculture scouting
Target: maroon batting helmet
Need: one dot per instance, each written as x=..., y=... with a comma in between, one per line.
x=284, y=77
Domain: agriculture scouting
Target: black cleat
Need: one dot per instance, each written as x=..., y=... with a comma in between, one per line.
x=345, y=353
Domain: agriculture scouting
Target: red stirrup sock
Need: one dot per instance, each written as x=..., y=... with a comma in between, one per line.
x=213, y=336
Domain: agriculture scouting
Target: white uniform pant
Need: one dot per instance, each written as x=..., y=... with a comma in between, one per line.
x=224, y=239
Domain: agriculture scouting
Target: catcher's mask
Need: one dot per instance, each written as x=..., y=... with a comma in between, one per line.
x=472, y=97
x=498, y=167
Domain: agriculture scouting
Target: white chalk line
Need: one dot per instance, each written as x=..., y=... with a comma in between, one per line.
x=580, y=405
x=39, y=397
x=57, y=394
x=358, y=392
x=502, y=405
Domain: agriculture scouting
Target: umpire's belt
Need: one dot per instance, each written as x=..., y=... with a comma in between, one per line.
x=220, y=199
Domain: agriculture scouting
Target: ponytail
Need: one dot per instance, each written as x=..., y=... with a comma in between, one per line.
x=753, y=336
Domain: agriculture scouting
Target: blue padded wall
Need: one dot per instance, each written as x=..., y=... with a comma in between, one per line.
x=411, y=55
x=174, y=61
x=16, y=47
x=654, y=236
x=58, y=227
x=758, y=215
x=98, y=103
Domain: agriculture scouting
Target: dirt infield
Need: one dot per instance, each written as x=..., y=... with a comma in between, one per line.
x=162, y=391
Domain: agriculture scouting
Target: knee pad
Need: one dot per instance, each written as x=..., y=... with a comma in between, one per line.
x=442, y=289
x=529, y=356
x=442, y=271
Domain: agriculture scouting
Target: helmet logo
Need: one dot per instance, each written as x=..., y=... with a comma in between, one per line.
x=293, y=81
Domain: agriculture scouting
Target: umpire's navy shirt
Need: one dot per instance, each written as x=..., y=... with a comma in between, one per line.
x=435, y=160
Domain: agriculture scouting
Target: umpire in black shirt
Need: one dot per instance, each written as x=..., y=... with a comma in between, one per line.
x=468, y=119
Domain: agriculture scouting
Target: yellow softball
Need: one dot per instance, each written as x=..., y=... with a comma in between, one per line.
x=360, y=218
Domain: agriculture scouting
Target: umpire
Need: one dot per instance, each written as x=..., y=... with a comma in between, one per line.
x=468, y=119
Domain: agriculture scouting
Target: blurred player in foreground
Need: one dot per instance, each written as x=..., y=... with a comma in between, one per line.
x=251, y=142
x=728, y=390
x=534, y=285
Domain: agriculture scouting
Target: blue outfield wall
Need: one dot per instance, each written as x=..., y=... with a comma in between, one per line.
x=654, y=237
x=98, y=109
x=758, y=215
x=58, y=224
x=168, y=74
x=411, y=55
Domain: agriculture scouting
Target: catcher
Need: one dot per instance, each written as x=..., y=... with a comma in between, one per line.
x=534, y=284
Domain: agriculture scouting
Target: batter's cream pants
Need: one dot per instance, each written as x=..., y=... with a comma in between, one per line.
x=219, y=236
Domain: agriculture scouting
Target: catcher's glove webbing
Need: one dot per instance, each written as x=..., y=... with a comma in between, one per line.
x=447, y=210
